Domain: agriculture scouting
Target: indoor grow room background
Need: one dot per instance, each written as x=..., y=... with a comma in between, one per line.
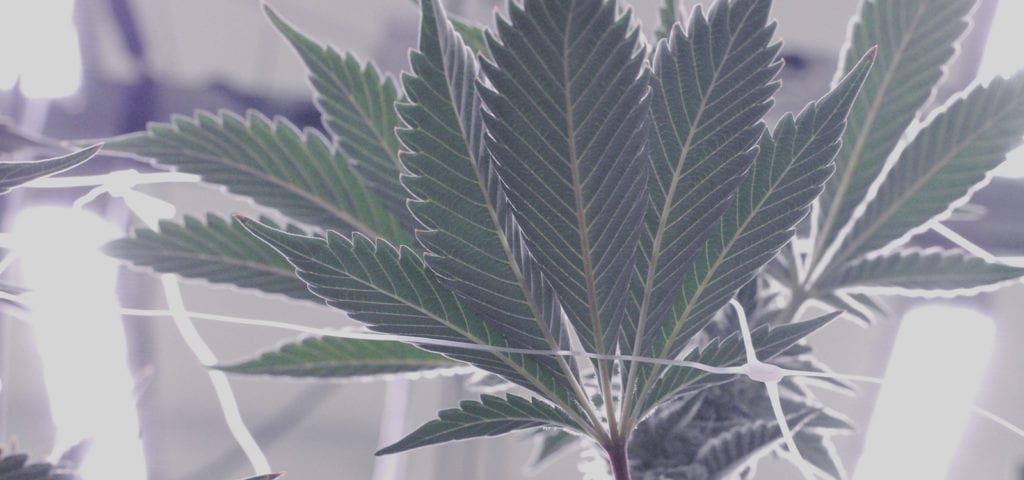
x=109, y=66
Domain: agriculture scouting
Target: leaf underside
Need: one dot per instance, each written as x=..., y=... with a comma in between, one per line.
x=566, y=125
x=217, y=251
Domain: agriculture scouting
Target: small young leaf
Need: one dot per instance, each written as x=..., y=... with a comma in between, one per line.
x=566, y=125
x=489, y=417
x=215, y=251
x=13, y=174
x=273, y=163
x=358, y=109
x=731, y=450
x=915, y=271
x=668, y=15
x=915, y=40
x=949, y=158
x=819, y=451
x=332, y=357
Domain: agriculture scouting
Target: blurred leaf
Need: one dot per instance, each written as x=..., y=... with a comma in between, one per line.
x=14, y=174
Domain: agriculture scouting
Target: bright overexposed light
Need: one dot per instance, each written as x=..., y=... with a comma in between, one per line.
x=79, y=335
x=39, y=45
x=1003, y=57
x=933, y=375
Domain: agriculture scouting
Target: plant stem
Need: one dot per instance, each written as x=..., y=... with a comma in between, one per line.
x=618, y=456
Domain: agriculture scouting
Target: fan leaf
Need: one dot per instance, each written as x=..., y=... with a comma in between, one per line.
x=915, y=41
x=489, y=417
x=787, y=175
x=14, y=174
x=216, y=251
x=915, y=271
x=273, y=163
x=949, y=158
x=710, y=88
x=332, y=357
x=768, y=341
x=474, y=244
x=567, y=129
x=392, y=290
x=357, y=104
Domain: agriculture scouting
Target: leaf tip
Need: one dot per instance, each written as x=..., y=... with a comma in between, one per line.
x=872, y=52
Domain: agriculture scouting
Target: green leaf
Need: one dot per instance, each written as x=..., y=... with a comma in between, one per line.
x=768, y=342
x=332, y=357
x=550, y=444
x=474, y=244
x=13, y=174
x=566, y=126
x=915, y=41
x=915, y=271
x=358, y=109
x=731, y=450
x=271, y=162
x=473, y=35
x=16, y=467
x=668, y=16
x=949, y=158
x=269, y=476
x=394, y=292
x=711, y=86
x=216, y=251
x=787, y=175
x=489, y=417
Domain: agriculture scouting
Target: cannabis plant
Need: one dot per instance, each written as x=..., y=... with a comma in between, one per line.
x=573, y=210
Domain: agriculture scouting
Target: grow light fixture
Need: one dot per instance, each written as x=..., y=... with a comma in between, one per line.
x=1002, y=57
x=923, y=408
x=79, y=336
x=39, y=48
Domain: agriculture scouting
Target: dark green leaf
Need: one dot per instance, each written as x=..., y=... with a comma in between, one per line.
x=550, y=445
x=332, y=357
x=13, y=174
x=819, y=451
x=358, y=109
x=949, y=158
x=271, y=162
x=216, y=251
x=788, y=174
x=394, y=292
x=915, y=271
x=270, y=476
x=915, y=40
x=489, y=417
x=711, y=86
x=567, y=120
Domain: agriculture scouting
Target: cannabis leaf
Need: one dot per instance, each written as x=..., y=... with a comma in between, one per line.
x=489, y=417
x=915, y=40
x=273, y=163
x=330, y=357
x=910, y=271
x=358, y=109
x=13, y=174
x=216, y=251
x=566, y=125
x=948, y=159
